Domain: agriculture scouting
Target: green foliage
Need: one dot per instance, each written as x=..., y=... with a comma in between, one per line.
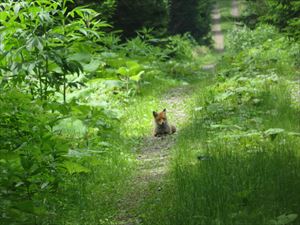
x=181, y=47
x=284, y=219
x=76, y=102
x=283, y=14
x=260, y=50
x=31, y=156
x=38, y=42
x=105, y=7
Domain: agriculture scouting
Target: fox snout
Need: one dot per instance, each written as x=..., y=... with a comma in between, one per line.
x=161, y=122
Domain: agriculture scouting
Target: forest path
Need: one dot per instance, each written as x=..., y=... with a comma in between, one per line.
x=153, y=158
x=216, y=29
x=154, y=152
x=217, y=35
x=235, y=9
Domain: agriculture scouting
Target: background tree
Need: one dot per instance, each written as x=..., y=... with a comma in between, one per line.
x=190, y=16
x=284, y=14
x=132, y=15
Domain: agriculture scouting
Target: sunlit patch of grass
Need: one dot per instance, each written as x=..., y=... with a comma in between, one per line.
x=138, y=118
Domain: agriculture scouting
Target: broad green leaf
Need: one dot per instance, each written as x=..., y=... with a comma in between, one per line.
x=284, y=219
x=123, y=71
x=92, y=66
x=71, y=127
x=137, y=77
x=74, y=168
x=35, y=42
x=113, y=83
x=133, y=66
x=26, y=162
x=17, y=8
x=84, y=57
x=3, y=15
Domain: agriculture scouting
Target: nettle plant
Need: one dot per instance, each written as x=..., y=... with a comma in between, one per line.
x=39, y=42
x=131, y=74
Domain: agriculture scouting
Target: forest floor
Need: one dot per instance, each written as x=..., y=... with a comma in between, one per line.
x=153, y=158
x=154, y=152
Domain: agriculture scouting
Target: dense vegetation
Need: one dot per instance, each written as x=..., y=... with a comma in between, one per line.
x=79, y=80
x=281, y=13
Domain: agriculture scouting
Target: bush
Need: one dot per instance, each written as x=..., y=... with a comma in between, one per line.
x=32, y=159
x=260, y=50
x=282, y=14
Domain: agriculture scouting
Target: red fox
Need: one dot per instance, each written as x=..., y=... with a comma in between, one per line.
x=162, y=126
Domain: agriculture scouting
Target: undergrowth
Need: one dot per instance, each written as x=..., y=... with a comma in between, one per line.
x=237, y=159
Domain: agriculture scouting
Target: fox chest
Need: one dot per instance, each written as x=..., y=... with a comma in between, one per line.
x=163, y=129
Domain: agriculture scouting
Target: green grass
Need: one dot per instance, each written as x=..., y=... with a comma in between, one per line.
x=137, y=120
x=236, y=173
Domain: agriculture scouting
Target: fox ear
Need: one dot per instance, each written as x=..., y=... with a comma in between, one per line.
x=154, y=113
x=164, y=110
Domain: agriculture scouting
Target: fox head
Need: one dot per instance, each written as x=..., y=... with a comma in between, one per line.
x=160, y=118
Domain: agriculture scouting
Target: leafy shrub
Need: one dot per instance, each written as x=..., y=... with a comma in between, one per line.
x=260, y=50
x=240, y=39
x=39, y=41
x=50, y=149
x=32, y=158
x=105, y=7
x=282, y=14
x=180, y=47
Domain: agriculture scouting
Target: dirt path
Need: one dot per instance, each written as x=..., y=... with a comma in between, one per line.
x=218, y=37
x=153, y=159
x=235, y=9
x=154, y=154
